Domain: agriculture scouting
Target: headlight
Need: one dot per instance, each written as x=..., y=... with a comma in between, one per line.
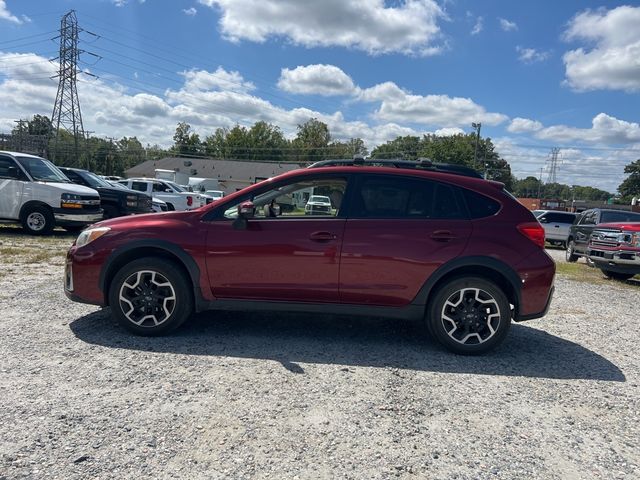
x=90, y=235
x=71, y=196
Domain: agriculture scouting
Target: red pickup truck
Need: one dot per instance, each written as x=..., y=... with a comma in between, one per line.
x=614, y=248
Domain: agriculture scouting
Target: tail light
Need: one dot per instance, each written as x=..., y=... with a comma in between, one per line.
x=189, y=200
x=533, y=231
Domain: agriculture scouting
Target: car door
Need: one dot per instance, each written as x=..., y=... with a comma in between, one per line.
x=584, y=228
x=399, y=231
x=12, y=180
x=282, y=254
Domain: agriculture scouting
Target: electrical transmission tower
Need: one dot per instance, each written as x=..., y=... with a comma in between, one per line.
x=553, y=165
x=66, y=110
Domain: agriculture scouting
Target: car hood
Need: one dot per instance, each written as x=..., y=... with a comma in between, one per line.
x=69, y=188
x=146, y=219
x=627, y=226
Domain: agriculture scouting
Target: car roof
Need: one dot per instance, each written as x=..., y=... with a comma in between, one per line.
x=20, y=154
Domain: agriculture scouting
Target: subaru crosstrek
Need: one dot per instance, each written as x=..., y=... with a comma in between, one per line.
x=405, y=239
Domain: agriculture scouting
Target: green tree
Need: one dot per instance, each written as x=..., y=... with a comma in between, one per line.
x=186, y=142
x=402, y=147
x=266, y=142
x=312, y=141
x=630, y=187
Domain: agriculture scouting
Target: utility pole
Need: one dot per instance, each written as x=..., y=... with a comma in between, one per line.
x=540, y=186
x=66, y=110
x=475, y=152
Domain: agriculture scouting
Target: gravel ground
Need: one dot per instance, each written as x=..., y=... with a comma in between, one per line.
x=310, y=396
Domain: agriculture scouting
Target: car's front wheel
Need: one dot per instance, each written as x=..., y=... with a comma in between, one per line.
x=469, y=316
x=38, y=220
x=151, y=296
x=570, y=254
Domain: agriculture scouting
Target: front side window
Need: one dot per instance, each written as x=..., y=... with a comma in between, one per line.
x=397, y=197
x=8, y=168
x=294, y=200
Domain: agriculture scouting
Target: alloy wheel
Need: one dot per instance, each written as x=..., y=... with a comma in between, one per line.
x=147, y=298
x=470, y=316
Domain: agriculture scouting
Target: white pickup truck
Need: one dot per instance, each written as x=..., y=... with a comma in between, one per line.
x=176, y=197
x=34, y=192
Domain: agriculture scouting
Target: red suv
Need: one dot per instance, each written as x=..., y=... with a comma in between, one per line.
x=401, y=239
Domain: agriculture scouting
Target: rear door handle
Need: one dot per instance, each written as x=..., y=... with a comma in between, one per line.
x=442, y=236
x=322, y=236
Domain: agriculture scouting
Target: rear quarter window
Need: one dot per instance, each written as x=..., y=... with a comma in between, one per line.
x=480, y=206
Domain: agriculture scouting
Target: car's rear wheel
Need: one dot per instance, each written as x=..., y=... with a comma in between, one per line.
x=570, y=254
x=151, y=296
x=617, y=275
x=469, y=316
x=38, y=220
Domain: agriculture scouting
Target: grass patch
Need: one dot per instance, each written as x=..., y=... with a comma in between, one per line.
x=583, y=273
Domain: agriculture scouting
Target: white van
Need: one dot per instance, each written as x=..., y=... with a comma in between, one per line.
x=35, y=193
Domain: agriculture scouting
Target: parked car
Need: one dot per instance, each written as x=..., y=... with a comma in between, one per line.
x=318, y=205
x=614, y=248
x=556, y=225
x=115, y=202
x=215, y=194
x=169, y=192
x=584, y=224
x=457, y=252
x=34, y=192
x=157, y=205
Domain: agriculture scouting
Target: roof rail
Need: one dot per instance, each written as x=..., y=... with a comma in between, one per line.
x=419, y=164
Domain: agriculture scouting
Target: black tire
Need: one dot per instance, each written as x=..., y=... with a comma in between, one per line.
x=170, y=207
x=457, y=319
x=140, y=289
x=569, y=254
x=109, y=211
x=617, y=275
x=38, y=220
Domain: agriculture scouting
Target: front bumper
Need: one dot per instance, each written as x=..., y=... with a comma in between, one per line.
x=620, y=261
x=77, y=218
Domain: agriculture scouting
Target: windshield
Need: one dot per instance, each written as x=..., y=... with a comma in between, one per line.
x=175, y=186
x=319, y=199
x=117, y=185
x=94, y=181
x=42, y=170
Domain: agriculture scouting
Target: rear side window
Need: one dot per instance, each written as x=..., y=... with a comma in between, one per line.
x=397, y=197
x=139, y=186
x=558, y=217
x=620, y=217
x=480, y=206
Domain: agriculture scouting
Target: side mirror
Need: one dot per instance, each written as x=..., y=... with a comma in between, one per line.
x=543, y=220
x=12, y=172
x=246, y=210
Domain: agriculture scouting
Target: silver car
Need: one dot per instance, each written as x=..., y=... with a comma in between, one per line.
x=556, y=225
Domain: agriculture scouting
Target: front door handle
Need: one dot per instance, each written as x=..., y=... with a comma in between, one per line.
x=442, y=236
x=322, y=236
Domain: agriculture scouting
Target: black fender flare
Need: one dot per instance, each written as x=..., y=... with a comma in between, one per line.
x=113, y=262
x=464, y=263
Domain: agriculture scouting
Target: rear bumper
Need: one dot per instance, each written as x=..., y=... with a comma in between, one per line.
x=532, y=316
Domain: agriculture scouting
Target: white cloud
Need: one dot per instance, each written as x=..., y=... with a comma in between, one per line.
x=531, y=55
x=5, y=14
x=448, y=131
x=524, y=125
x=605, y=129
x=507, y=25
x=478, y=27
x=410, y=27
x=611, y=59
x=432, y=110
x=324, y=80
x=190, y=11
x=200, y=80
